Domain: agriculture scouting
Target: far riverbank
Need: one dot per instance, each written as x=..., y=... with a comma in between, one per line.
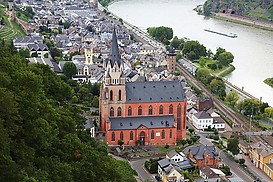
x=244, y=21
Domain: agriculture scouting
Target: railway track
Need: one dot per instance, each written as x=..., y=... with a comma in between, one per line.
x=236, y=118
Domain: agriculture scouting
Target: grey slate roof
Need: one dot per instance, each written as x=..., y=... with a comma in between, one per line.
x=186, y=164
x=199, y=150
x=38, y=47
x=202, y=115
x=28, y=39
x=114, y=53
x=166, y=162
x=88, y=124
x=172, y=153
x=154, y=91
x=120, y=123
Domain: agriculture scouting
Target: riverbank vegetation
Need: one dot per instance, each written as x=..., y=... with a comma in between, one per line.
x=257, y=9
x=42, y=132
x=269, y=81
x=161, y=34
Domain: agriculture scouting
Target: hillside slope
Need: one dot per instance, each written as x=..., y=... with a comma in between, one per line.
x=260, y=9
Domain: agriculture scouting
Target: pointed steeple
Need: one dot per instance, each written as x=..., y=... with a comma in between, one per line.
x=114, y=55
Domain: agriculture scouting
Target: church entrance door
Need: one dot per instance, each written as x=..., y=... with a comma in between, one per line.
x=142, y=138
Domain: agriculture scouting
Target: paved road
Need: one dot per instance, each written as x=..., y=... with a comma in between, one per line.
x=138, y=165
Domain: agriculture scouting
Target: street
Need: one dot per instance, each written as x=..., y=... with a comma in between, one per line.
x=138, y=165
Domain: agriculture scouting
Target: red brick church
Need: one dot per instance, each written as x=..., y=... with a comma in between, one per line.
x=148, y=113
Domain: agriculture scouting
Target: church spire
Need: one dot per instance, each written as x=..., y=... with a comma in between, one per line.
x=115, y=56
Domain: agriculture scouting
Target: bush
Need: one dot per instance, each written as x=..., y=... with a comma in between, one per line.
x=151, y=165
x=167, y=146
x=241, y=161
x=212, y=66
x=215, y=137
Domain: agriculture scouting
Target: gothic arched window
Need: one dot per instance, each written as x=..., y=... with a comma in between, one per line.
x=111, y=95
x=160, y=109
x=152, y=134
x=163, y=134
x=119, y=95
x=113, y=136
x=119, y=111
x=131, y=135
x=139, y=110
x=150, y=110
x=121, y=136
x=129, y=111
x=111, y=111
x=171, y=109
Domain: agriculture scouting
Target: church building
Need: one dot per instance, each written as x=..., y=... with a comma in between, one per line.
x=145, y=113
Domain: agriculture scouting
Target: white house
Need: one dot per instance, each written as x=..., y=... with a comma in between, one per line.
x=218, y=123
x=168, y=170
x=175, y=156
x=90, y=126
x=202, y=120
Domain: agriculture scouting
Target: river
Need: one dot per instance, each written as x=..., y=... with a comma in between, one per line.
x=253, y=49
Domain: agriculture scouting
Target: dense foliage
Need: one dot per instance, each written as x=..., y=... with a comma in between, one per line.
x=194, y=50
x=162, y=34
x=261, y=9
x=42, y=136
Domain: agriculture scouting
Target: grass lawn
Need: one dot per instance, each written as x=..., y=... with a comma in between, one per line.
x=218, y=72
x=262, y=124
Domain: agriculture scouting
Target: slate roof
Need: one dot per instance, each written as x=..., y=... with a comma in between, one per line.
x=28, y=39
x=121, y=123
x=218, y=120
x=172, y=153
x=185, y=164
x=114, y=53
x=166, y=162
x=88, y=124
x=154, y=91
x=199, y=150
x=38, y=47
x=202, y=115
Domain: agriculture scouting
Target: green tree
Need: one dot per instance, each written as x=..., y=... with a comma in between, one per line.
x=225, y=58
x=69, y=69
x=268, y=112
x=218, y=52
x=55, y=52
x=232, y=98
x=161, y=33
x=203, y=75
x=24, y=53
x=184, y=142
x=218, y=87
x=242, y=161
x=178, y=56
x=191, y=130
x=95, y=101
x=226, y=170
x=232, y=146
x=194, y=50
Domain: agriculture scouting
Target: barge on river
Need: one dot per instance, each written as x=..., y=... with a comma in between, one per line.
x=231, y=35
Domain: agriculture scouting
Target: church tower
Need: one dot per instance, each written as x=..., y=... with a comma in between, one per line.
x=113, y=65
x=88, y=53
x=113, y=96
x=171, y=61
